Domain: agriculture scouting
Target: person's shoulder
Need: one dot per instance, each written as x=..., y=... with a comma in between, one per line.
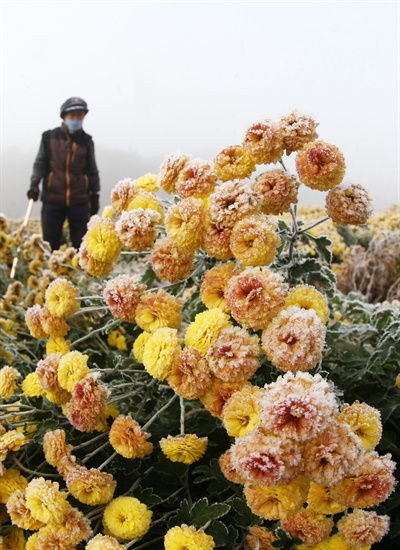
x=51, y=133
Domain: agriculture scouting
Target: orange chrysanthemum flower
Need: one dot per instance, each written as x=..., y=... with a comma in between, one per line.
x=320, y=165
x=254, y=241
x=263, y=142
x=127, y=438
x=170, y=262
x=277, y=191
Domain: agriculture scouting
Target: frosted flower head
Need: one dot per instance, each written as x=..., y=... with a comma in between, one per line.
x=255, y=296
x=127, y=438
x=148, y=182
x=8, y=381
x=266, y=459
x=296, y=130
x=11, y=480
x=147, y=201
x=308, y=525
x=55, y=447
x=189, y=376
x=232, y=201
x=9, y=442
x=263, y=142
x=294, y=340
x=216, y=240
x=362, y=528
x=186, y=537
x=104, y=542
x=320, y=499
x=72, y=368
x=184, y=223
x=93, y=267
x=122, y=295
x=161, y=351
x=332, y=455
x=371, y=484
x=122, y=193
x=31, y=386
x=261, y=535
x=232, y=163
x=213, y=285
x=218, y=394
x=52, y=325
x=61, y=298
x=33, y=320
x=91, y=487
x=20, y=514
x=296, y=411
x=273, y=503
x=241, y=413
x=364, y=421
x=102, y=241
x=233, y=356
x=45, y=501
x=57, y=344
x=308, y=297
x=158, y=310
x=349, y=205
x=205, y=329
x=254, y=241
x=138, y=346
x=137, y=228
x=170, y=170
x=225, y=463
x=87, y=403
x=126, y=518
x=196, y=179
x=186, y=448
x=320, y=165
x=46, y=371
x=170, y=262
x=277, y=190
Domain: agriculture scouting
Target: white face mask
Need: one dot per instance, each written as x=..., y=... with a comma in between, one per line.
x=73, y=125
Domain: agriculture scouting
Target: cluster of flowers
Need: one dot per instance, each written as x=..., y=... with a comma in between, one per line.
x=292, y=443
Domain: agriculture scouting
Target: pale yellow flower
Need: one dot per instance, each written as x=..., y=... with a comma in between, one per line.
x=61, y=298
x=72, y=367
x=45, y=501
x=148, y=182
x=205, y=329
x=185, y=448
x=187, y=538
x=160, y=352
x=126, y=518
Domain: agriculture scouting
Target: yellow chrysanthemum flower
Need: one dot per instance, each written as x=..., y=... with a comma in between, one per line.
x=213, y=285
x=116, y=339
x=57, y=344
x=60, y=298
x=308, y=297
x=187, y=538
x=398, y=381
x=8, y=381
x=364, y=421
x=11, y=441
x=272, y=503
x=102, y=241
x=240, y=414
x=138, y=346
x=158, y=310
x=11, y=481
x=186, y=448
x=45, y=501
x=72, y=368
x=160, y=352
x=143, y=199
x=148, y=182
x=91, y=487
x=126, y=518
x=184, y=223
x=205, y=328
x=320, y=499
x=332, y=543
x=233, y=163
x=31, y=386
x=108, y=212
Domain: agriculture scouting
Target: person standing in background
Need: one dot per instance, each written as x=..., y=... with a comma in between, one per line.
x=66, y=163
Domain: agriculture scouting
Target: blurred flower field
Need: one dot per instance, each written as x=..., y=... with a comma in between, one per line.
x=217, y=366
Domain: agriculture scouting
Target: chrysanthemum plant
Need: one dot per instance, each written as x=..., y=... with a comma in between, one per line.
x=172, y=387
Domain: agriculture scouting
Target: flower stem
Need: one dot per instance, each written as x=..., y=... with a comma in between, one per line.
x=182, y=405
x=100, y=329
x=87, y=457
x=90, y=441
x=153, y=418
x=109, y=459
x=305, y=229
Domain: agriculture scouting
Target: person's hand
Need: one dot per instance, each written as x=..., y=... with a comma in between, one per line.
x=33, y=193
x=94, y=204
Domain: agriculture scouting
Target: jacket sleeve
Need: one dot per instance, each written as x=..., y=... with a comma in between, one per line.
x=41, y=163
x=92, y=171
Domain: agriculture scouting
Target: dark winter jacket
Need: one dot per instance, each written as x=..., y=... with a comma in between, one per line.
x=67, y=165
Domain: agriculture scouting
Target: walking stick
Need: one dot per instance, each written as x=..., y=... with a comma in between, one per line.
x=24, y=224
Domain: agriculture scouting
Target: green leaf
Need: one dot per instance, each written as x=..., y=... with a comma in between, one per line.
x=202, y=512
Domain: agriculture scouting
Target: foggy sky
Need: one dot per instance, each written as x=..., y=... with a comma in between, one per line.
x=193, y=76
